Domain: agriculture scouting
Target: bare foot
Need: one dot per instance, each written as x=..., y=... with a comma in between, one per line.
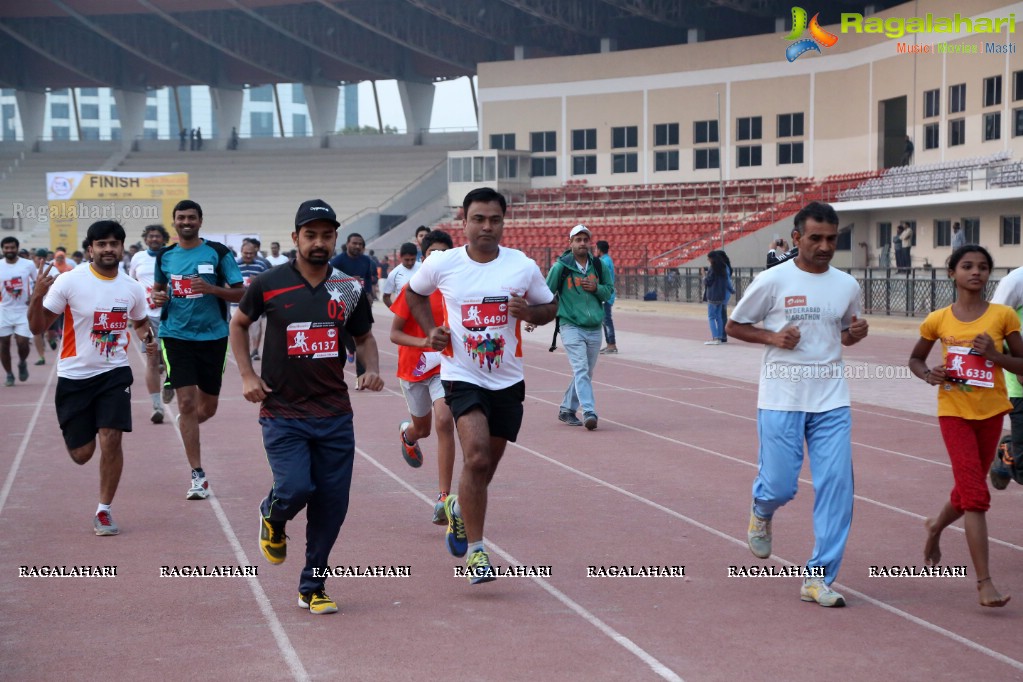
x=932, y=551
x=989, y=596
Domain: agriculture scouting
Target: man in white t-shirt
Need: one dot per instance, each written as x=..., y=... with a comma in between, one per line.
x=276, y=257
x=17, y=276
x=489, y=290
x=808, y=310
x=402, y=273
x=93, y=374
x=142, y=267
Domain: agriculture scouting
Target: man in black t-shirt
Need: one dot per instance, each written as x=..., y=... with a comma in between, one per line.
x=306, y=413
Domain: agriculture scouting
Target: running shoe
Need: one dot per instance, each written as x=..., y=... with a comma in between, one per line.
x=168, y=394
x=23, y=371
x=317, y=602
x=53, y=344
x=272, y=540
x=712, y=342
x=10, y=380
x=200, y=489
x=569, y=418
x=255, y=356
x=157, y=416
x=440, y=518
x=40, y=361
x=479, y=568
x=608, y=351
x=758, y=536
x=589, y=421
x=457, y=542
x=412, y=454
x=814, y=589
x=103, y=523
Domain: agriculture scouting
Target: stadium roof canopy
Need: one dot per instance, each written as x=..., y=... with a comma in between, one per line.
x=139, y=44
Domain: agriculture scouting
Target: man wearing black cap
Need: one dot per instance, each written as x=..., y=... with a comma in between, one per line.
x=306, y=413
x=193, y=282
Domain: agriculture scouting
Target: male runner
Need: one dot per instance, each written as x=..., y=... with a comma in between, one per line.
x=306, y=414
x=142, y=268
x=250, y=266
x=487, y=290
x=402, y=273
x=93, y=375
x=16, y=278
x=202, y=277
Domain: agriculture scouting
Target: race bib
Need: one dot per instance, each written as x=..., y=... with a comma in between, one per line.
x=491, y=311
x=312, y=340
x=964, y=366
x=110, y=321
x=181, y=287
x=149, y=299
x=14, y=286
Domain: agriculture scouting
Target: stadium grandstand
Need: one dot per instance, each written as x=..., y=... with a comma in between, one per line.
x=670, y=128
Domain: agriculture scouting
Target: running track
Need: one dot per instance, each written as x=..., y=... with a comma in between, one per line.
x=665, y=480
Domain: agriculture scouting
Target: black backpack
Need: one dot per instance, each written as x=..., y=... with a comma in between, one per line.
x=567, y=261
x=221, y=281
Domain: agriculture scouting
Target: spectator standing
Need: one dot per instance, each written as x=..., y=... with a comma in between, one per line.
x=958, y=236
x=602, y=252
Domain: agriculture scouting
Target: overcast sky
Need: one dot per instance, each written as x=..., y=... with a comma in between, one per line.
x=452, y=105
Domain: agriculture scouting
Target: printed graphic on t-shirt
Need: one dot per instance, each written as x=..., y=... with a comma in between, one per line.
x=963, y=365
x=107, y=325
x=490, y=311
x=312, y=340
x=485, y=349
x=13, y=287
x=181, y=287
x=427, y=361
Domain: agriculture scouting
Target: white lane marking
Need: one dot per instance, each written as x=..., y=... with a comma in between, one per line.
x=23, y=447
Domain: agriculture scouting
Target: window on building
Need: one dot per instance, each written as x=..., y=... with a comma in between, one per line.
x=297, y=94
x=507, y=167
x=88, y=92
x=583, y=139
x=624, y=163
x=624, y=137
x=1017, y=85
x=1017, y=122
x=584, y=165
x=844, y=241
x=706, y=158
x=502, y=141
x=932, y=103
x=666, y=161
x=790, y=152
x=705, y=131
x=749, y=128
x=90, y=111
x=90, y=133
x=60, y=110
x=884, y=235
x=298, y=125
x=790, y=125
x=8, y=131
x=993, y=126
x=543, y=142
x=262, y=93
x=113, y=113
x=261, y=124
x=665, y=134
x=971, y=226
x=956, y=98
x=943, y=233
x=992, y=91
x=150, y=134
x=1010, y=230
x=931, y=139
x=957, y=132
x=150, y=112
x=115, y=132
x=748, y=156
x=544, y=167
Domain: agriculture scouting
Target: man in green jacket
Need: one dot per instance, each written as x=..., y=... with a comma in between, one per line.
x=582, y=286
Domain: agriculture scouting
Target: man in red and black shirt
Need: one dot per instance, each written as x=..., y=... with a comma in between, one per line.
x=306, y=413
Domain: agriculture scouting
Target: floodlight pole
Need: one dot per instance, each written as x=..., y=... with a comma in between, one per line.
x=721, y=177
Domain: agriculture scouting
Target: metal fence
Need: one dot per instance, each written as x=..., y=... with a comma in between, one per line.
x=882, y=290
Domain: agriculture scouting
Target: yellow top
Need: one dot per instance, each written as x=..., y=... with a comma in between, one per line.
x=979, y=389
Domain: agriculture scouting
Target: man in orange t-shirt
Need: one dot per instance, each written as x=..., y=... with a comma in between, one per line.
x=419, y=375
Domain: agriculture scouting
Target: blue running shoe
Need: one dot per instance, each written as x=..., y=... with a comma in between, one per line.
x=457, y=543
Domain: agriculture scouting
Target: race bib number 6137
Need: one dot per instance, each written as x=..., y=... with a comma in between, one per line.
x=312, y=340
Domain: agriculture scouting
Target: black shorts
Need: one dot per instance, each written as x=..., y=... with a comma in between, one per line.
x=195, y=363
x=502, y=408
x=84, y=406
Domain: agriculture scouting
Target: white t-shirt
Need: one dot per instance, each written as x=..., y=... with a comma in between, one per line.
x=486, y=342
x=16, y=282
x=274, y=261
x=97, y=313
x=142, y=268
x=809, y=378
x=399, y=277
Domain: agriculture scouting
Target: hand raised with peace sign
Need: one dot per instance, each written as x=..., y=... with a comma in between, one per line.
x=43, y=279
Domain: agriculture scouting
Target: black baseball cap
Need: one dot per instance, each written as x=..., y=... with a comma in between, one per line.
x=315, y=209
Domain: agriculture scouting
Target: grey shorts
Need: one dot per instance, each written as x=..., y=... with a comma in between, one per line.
x=420, y=395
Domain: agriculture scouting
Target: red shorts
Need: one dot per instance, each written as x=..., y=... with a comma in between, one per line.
x=971, y=445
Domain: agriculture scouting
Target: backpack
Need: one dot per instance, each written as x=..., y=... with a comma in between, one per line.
x=567, y=261
x=221, y=281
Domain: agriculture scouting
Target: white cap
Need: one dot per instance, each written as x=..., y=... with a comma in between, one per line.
x=577, y=229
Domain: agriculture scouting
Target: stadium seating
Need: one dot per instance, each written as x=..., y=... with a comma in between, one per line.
x=931, y=178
